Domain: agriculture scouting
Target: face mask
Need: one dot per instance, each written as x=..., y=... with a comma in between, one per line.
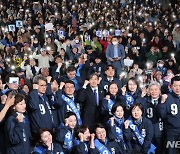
x=114, y=43
x=161, y=65
x=76, y=41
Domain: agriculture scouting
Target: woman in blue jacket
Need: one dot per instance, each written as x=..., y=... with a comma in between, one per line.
x=116, y=124
x=46, y=145
x=141, y=131
x=104, y=142
x=17, y=128
x=131, y=93
x=111, y=98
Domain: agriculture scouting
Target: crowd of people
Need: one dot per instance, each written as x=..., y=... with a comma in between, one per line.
x=89, y=76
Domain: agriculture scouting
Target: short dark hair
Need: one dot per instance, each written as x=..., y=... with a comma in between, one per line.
x=108, y=66
x=18, y=98
x=98, y=125
x=68, y=114
x=70, y=69
x=111, y=84
x=81, y=129
x=175, y=78
x=115, y=106
x=70, y=81
x=136, y=105
x=58, y=56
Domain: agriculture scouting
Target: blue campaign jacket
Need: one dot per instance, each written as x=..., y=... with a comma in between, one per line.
x=60, y=134
x=42, y=149
x=61, y=105
x=170, y=111
x=40, y=112
x=105, y=113
x=136, y=96
x=111, y=145
x=145, y=128
x=17, y=135
x=105, y=83
x=150, y=111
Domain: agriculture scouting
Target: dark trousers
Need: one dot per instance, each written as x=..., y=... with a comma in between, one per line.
x=159, y=143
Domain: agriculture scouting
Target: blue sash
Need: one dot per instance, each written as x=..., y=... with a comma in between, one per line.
x=5, y=91
x=40, y=149
x=110, y=104
x=101, y=148
x=129, y=99
x=139, y=136
x=119, y=131
x=68, y=139
x=73, y=107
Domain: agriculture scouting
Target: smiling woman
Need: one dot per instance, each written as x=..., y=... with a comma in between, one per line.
x=17, y=128
x=46, y=143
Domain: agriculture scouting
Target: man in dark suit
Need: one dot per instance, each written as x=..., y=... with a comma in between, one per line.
x=115, y=55
x=91, y=95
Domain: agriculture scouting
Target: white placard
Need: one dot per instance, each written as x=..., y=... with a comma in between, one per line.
x=14, y=80
x=117, y=32
x=11, y=28
x=49, y=26
x=61, y=33
x=128, y=62
x=19, y=23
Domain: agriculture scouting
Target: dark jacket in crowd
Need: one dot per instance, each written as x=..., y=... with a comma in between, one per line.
x=105, y=83
x=40, y=112
x=90, y=109
x=43, y=149
x=145, y=128
x=170, y=111
x=17, y=135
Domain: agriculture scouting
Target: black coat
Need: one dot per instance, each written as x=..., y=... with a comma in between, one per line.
x=146, y=127
x=89, y=106
x=17, y=135
x=40, y=112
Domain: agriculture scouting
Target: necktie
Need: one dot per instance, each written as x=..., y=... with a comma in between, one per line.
x=155, y=102
x=96, y=97
x=42, y=97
